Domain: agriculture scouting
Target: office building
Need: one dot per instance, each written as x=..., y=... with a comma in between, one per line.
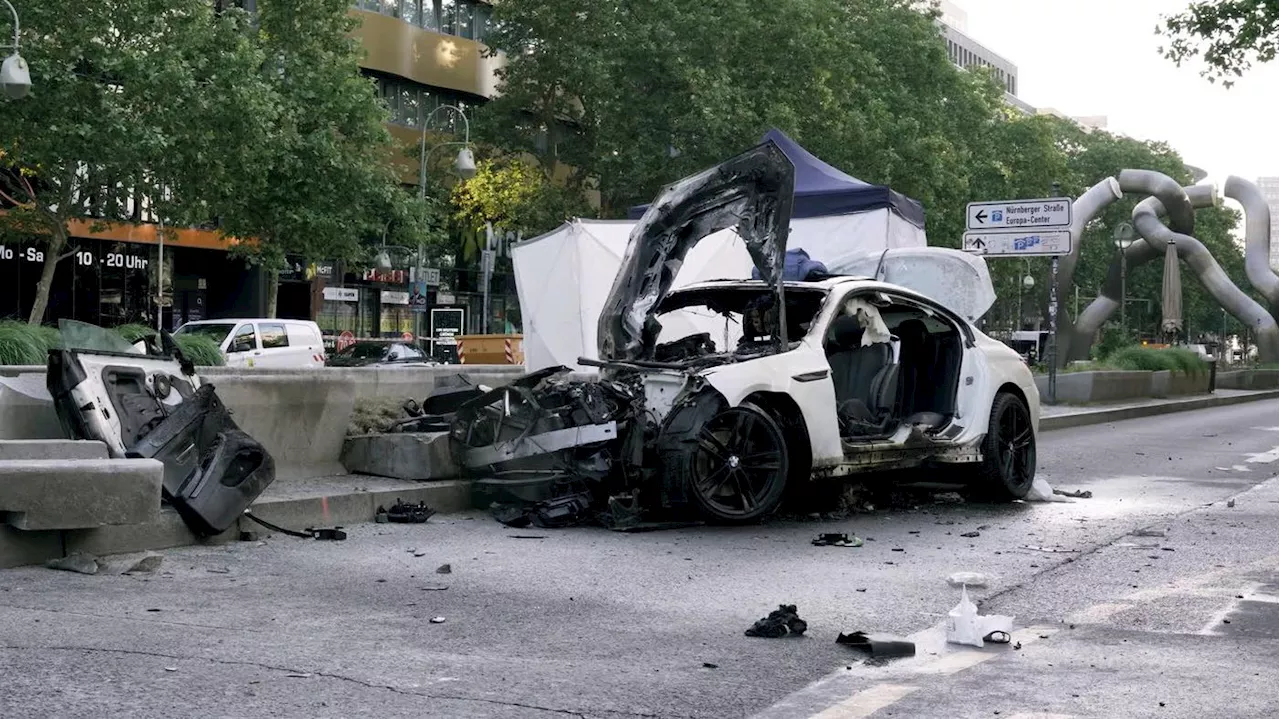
x=1270, y=187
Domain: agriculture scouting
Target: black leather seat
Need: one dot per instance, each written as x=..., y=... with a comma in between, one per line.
x=865, y=378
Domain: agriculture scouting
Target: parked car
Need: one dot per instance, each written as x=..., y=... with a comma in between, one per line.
x=371, y=353
x=263, y=342
x=811, y=379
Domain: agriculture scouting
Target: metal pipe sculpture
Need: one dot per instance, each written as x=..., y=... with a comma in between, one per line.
x=1257, y=239
x=1182, y=216
x=1156, y=237
x=1083, y=210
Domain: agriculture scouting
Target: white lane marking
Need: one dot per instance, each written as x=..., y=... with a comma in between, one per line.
x=1098, y=613
x=866, y=702
x=1270, y=455
x=1267, y=429
x=1213, y=626
x=1241, y=468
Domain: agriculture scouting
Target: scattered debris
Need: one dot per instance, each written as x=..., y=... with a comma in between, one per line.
x=567, y=511
x=971, y=535
x=77, y=562
x=969, y=579
x=1167, y=549
x=334, y=535
x=218, y=570
x=1000, y=637
x=437, y=620
x=781, y=622
x=709, y=665
x=1148, y=533
x=1231, y=502
x=1051, y=550
x=153, y=610
x=171, y=669
x=380, y=516
x=1042, y=492
x=444, y=569
x=1077, y=493
x=298, y=675
x=402, y=513
x=836, y=539
x=1017, y=646
x=146, y=565
x=248, y=536
x=966, y=626
x=879, y=646
x=949, y=498
x=526, y=536
x=434, y=588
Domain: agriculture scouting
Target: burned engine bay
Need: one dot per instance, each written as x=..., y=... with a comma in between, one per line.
x=554, y=450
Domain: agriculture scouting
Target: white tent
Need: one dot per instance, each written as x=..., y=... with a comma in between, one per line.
x=563, y=277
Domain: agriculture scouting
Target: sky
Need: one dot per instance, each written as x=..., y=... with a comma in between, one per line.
x=1100, y=57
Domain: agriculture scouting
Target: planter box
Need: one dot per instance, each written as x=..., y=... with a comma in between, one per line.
x=1122, y=385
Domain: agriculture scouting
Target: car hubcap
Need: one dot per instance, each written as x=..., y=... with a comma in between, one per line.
x=1016, y=458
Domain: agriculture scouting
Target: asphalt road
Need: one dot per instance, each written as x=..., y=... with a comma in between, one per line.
x=589, y=623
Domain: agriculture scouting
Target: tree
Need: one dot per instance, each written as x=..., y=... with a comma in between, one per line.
x=514, y=195
x=319, y=182
x=1228, y=35
x=132, y=99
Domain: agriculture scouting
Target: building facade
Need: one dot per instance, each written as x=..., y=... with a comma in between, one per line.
x=1270, y=187
x=968, y=53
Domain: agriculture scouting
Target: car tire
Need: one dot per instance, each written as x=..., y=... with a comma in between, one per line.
x=1008, y=464
x=737, y=465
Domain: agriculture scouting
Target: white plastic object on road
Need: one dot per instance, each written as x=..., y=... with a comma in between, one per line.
x=966, y=626
x=967, y=579
x=1042, y=492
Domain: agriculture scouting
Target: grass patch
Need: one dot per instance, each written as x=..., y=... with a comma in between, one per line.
x=23, y=344
x=1151, y=359
x=201, y=350
x=374, y=415
x=134, y=332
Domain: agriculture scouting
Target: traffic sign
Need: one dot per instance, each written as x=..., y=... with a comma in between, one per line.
x=1031, y=243
x=1042, y=214
x=345, y=340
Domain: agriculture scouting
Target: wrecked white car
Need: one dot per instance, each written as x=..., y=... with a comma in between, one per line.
x=809, y=380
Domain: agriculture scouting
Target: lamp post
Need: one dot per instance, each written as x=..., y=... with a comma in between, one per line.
x=1123, y=237
x=15, y=76
x=464, y=163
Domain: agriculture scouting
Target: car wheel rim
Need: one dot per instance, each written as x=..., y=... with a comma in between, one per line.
x=738, y=462
x=1016, y=446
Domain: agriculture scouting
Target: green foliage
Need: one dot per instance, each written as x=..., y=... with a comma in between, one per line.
x=1137, y=357
x=25, y=344
x=1228, y=35
x=201, y=350
x=514, y=194
x=134, y=332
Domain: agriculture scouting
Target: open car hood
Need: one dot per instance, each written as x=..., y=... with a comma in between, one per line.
x=752, y=193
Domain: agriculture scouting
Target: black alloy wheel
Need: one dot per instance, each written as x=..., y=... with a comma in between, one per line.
x=738, y=465
x=1009, y=449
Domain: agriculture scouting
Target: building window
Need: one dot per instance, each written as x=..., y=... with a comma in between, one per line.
x=464, y=18
x=409, y=12
x=410, y=103
x=448, y=16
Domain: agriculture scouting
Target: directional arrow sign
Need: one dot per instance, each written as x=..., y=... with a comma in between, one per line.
x=1048, y=213
x=1016, y=243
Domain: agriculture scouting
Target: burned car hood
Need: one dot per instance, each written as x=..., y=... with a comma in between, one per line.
x=752, y=193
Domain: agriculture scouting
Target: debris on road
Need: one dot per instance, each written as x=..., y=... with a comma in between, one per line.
x=966, y=626
x=77, y=562
x=709, y=665
x=1147, y=533
x=878, y=646
x=1042, y=492
x=1231, y=503
x=146, y=565
x=969, y=579
x=444, y=569
x=437, y=620
x=434, y=588
x=1051, y=550
x=1078, y=493
x=836, y=539
x=402, y=513
x=783, y=621
x=334, y=534
x=971, y=535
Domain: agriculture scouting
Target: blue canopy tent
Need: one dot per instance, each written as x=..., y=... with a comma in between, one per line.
x=823, y=191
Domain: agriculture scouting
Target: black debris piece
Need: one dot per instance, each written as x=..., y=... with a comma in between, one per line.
x=334, y=534
x=709, y=665
x=781, y=622
x=380, y=516
x=510, y=515
x=835, y=539
x=403, y=513
x=1078, y=494
x=526, y=536
x=567, y=511
x=971, y=535
x=248, y=536
x=444, y=569
x=879, y=646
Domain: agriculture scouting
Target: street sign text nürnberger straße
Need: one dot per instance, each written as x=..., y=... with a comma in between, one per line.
x=1029, y=243
x=1043, y=214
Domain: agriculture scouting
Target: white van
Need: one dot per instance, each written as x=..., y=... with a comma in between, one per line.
x=263, y=342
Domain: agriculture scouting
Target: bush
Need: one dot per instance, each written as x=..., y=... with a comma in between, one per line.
x=1151, y=359
x=134, y=332
x=23, y=344
x=202, y=351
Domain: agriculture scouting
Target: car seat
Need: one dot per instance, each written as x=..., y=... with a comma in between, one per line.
x=865, y=379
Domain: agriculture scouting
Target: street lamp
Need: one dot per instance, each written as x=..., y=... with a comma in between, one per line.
x=15, y=77
x=1123, y=236
x=464, y=163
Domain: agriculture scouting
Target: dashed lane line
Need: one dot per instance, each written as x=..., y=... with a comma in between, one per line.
x=866, y=702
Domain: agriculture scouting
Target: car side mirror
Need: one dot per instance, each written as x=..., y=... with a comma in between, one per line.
x=239, y=345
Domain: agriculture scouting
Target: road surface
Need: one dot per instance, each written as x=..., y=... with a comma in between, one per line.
x=1156, y=597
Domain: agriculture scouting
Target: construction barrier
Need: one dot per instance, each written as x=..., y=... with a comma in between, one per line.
x=490, y=349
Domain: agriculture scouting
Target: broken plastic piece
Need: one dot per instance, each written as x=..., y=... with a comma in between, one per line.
x=966, y=626
x=835, y=539
x=1042, y=492
x=969, y=579
x=1078, y=493
x=409, y=513
x=437, y=620
x=880, y=646
x=970, y=535
x=782, y=621
x=334, y=535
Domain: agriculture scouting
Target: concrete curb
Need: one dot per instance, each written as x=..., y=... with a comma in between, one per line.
x=1113, y=414
x=350, y=507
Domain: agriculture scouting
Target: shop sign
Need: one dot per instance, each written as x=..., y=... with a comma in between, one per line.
x=391, y=277
x=394, y=297
x=84, y=258
x=342, y=294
